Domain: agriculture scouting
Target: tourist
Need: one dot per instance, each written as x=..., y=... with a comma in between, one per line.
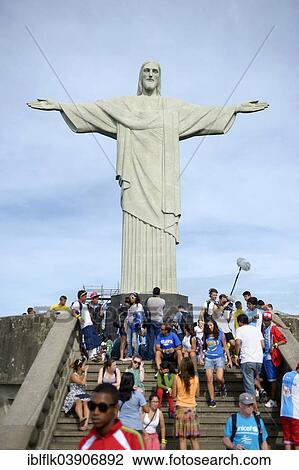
x=224, y=319
x=31, y=312
x=77, y=397
x=212, y=357
x=239, y=311
x=96, y=313
x=245, y=430
x=289, y=410
x=246, y=295
x=90, y=340
x=134, y=320
x=255, y=316
x=109, y=374
x=185, y=391
x=250, y=345
x=130, y=402
x=165, y=381
x=137, y=369
x=198, y=329
x=151, y=421
x=189, y=345
x=61, y=306
x=178, y=321
x=210, y=306
x=154, y=306
x=122, y=315
x=168, y=346
x=108, y=432
x=272, y=358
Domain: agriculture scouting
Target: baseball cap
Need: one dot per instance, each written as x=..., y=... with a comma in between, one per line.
x=267, y=315
x=246, y=399
x=93, y=295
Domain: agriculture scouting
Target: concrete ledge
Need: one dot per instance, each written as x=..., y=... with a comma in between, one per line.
x=21, y=420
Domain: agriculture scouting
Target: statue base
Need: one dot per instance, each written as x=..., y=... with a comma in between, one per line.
x=172, y=302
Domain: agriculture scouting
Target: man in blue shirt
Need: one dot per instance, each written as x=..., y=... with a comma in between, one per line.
x=249, y=432
x=168, y=346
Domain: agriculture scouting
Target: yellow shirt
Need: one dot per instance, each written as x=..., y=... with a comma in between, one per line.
x=59, y=308
x=187, y=400
x=236, y=314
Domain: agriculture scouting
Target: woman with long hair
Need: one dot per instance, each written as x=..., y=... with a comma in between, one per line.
x=185, y=391
x=189, y=344
x=151, y=421
x=130, y=402
x=212, y=357
x=77, y=398
x=133, y=323
x=109, y=374
x=137, y=369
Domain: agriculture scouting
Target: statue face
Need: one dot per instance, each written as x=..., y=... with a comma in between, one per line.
x=150, y=77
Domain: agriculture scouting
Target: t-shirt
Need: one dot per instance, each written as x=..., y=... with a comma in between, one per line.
x=247, y=433
x=251, y=313
x=85, y=315
x=129, y=410
x=210, y=309
x=214, y=346
x=290, y=395
x=237, y=312
x=267, y=339
x=156, y=306
x=118, y=437
x=59, y=308
x=251, y=347
x=186, y=399
x=169, y=341
x=225, y=321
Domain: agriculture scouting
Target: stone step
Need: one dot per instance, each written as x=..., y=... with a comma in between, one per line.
x=205, y=431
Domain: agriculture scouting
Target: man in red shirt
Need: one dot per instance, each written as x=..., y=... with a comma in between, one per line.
x=108, y=433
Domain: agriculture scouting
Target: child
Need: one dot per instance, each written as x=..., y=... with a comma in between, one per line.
x=164, y=384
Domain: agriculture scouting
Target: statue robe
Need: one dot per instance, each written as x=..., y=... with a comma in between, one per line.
x=148, y=130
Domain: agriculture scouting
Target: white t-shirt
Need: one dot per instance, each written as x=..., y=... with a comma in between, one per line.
x=211, y=306
x=223, y=324
x=85, y=315
x=251, y=346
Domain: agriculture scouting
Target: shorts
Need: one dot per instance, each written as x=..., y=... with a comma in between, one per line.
x=216, y=363
x=122, y=332
x=229, y=336
x=250, y=370
x=290, y=429
x=169, y=357
x=269, y=370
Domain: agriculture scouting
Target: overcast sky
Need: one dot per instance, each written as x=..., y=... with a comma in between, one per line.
x=60, y=211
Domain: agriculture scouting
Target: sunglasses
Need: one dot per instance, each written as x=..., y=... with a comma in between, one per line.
x=137, y=362
x=102, y=407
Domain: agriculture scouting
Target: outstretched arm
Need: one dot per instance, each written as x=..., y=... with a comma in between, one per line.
x=251, y=107
x=44, y=105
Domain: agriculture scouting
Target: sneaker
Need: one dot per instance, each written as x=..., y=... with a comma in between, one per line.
x=271, y=404
x=263, y=396
x=156, y=375
x=223, y=391
x=212, y=404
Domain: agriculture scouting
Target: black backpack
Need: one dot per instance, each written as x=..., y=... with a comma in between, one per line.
x=258, y=423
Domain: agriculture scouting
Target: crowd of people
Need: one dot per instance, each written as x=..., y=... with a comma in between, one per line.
x=225, y=335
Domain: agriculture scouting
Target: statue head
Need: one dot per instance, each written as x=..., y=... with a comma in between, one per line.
x=149, y=79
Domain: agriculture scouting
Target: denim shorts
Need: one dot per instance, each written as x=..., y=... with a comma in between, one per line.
x=269, y=370
x=250, y=370
x=217, y=363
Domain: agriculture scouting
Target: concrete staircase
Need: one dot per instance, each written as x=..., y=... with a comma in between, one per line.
x=66, y=434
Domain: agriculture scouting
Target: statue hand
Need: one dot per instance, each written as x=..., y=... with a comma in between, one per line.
x=251, y=107
x=45, y=105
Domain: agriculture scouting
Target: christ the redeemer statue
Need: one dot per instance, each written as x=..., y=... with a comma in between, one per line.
x=148, y=129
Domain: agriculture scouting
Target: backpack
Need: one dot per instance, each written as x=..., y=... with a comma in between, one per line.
x=258, y=423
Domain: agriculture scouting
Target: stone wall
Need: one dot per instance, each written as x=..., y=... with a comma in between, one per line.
x=21, y=337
